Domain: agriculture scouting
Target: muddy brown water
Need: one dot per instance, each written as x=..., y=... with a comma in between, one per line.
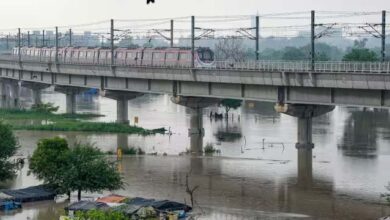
x=254, y=176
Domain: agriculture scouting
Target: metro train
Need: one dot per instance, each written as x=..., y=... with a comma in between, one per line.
x=204, y=57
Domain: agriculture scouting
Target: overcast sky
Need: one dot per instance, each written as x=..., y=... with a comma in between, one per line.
x=37, y=13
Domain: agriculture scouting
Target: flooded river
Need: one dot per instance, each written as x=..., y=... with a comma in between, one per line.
x=255, y=174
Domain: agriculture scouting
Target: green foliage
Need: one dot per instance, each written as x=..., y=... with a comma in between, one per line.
x=88, y=170
x=209, y=149
x=361, y=54
x=293, y=53
x=45, y=107
x=101, y=215
x=129, y=151
x=386, y=196
x=48, y=161
x=140, y=151
x=71, y=122
x=231, y=104
x=8, y=147
x=82, y=168
x=228, y=136
x=20, y=114
x=324, y=52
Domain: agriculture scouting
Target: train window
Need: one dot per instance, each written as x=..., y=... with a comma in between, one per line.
x=147, y=56
x=108, y=55
x=206, y=56
x=158, y=56
x=185, y=56
x=171, y=56
x=90, y=54
x=75, y=54
x=120, y=55
x=132, y=55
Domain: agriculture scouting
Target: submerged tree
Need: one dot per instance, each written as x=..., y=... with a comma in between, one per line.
x=8, y=147
x=89, y=171
x=48, y=162
x=230, y=104
x=82, y=168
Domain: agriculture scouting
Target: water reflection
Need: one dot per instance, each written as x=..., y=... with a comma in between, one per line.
x=361, y=132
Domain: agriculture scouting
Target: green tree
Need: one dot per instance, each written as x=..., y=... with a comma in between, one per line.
x=48, y=161
x=8, y=147
x=293, y=53
x=101, y=215
x=82, y=168
x=361, y=54
x=229, y=104
x=88, y=170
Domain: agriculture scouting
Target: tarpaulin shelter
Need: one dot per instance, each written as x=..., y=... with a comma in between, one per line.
x=86, y=206
x=112, y=199
x=31, y=194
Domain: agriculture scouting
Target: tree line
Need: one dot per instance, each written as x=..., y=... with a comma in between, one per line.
x=235, y=50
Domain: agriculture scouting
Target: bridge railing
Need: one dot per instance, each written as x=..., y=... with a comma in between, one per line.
x=263, y=65
x=305, y=66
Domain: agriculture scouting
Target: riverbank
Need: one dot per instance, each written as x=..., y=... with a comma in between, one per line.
x=70, y=122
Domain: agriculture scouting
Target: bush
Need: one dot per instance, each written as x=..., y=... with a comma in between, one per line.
x=209, y=149
x=101, y=215
x=8, y=147
x=140, y=151
x=129, y=151
x=45, y=107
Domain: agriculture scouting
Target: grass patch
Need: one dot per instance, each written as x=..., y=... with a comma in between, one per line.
x=89, y=127
x=15, y=114
x=70, y=122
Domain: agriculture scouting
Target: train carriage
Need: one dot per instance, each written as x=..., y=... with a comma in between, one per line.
x=170, y=57
x=133, y=57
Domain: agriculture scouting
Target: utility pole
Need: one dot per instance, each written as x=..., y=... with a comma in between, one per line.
x=28, y=39
x=257, y=36
x=19, y=45
x=43, y=38
x=112, y=43
x=171, y=33
x=193, y=41
x=56, y=57
x=70, y=37
x=383, y=51
x=7, y=41
x=313, y=40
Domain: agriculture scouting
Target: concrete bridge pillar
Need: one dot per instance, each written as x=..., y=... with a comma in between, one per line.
x=37, y=96
x=71, y=103
x=3, y=94
x=36, y=89
x=305, y=145
x=70, y=93
x=122, y=99
x=14, y=95
x=196, y=130
x=122, y=141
